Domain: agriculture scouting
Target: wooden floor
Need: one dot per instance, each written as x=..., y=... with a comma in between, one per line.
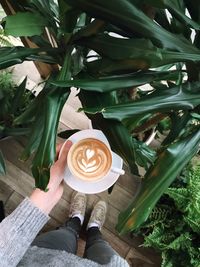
x=19, y=183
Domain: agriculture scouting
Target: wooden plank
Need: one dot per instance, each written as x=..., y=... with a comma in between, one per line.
x=52, y=224
x=131, y=183
x=120, y=198
x=60, y=211
x=12, y=203
x=18, y=180
x=137, y=259
x=5, y=191
x=81, y=247
x=116, y=243
x=12, y=150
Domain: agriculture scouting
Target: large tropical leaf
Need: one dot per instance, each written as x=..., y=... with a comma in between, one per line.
x=168, y=165
x=125, y=15
x=91, y=29
x=25, y=24
x=133, y=50
x=118, y=136
x=106, y=66
x=47, y=8
x=35, y=115
x=144, y=155
x=178, y=123
x=68, y=18
x=110, y=83
x=10, y=56
x=45, y=154
x=184, y=97
x=174, y=7
x=52, y=107
x=2, y=165
x=17, y=99
x=193, y=7
x=16, y=131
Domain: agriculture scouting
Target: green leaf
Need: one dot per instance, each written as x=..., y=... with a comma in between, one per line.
x=144, y=155
x=132, y=50
x=47, y=9
x=25, y=24
x=52, y=107
x=117, y=135
x=167, y=166
x=35, y=134
x=68, y=18
x=183, y=97
x=133, y=122
x=162, y=19
x=16, y=131
x=178, y=123
x=28, y=116
x=174, y=8
x=110, y=83
x=125, y=15
x=2, y=165
x=193, y=7
x=10, y=56
x=91, y=29
x=195, y=115
x=45, y=154
x=18, y=96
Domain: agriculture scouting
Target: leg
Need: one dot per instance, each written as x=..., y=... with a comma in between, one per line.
x=97, y=249
x=65, y=238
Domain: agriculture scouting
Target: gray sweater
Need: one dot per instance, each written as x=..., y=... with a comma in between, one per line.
x=19, y=229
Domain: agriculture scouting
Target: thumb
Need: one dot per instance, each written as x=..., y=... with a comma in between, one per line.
x=65, y=150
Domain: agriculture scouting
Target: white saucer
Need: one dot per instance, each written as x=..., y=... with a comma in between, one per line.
x=99, y=185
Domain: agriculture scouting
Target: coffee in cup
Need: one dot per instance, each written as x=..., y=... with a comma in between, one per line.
x=89, y=159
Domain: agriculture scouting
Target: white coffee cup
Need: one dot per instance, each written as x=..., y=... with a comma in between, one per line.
x=91, y=159
x=98, y=135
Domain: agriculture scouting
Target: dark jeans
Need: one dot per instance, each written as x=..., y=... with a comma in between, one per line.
x=66, y=237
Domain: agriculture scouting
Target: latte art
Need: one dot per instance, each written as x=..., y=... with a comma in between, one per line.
x=89, y=159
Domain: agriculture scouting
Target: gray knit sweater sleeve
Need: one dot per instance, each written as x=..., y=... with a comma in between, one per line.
x=18, y=230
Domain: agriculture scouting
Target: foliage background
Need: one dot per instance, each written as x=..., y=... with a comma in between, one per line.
x=103, y=48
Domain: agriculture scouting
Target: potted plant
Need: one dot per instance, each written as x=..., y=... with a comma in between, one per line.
x=106, y=46
x=173, y=226
x=14, y=100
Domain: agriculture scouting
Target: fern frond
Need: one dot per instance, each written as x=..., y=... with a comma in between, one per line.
x=4, y=40
x=194, y=256
x=174, y=225
x=181, y=242
x=159, y=214
x=166, y=259
x=194, y=224
x=180, y=197
x=156, y=238
x=193, y=209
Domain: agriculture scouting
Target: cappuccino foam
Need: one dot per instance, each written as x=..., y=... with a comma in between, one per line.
x=89, y=159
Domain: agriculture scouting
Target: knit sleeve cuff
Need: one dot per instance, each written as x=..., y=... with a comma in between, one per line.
x=30, y=216
x=18, y=231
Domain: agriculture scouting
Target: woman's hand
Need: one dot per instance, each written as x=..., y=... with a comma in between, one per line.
x=47, y=200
